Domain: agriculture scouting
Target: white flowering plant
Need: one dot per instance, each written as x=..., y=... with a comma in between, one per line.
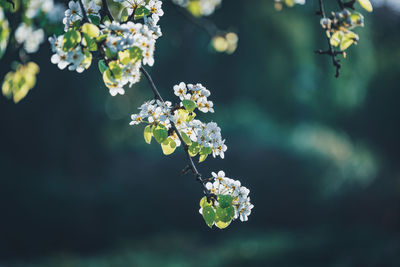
x=124, y=42
x=124, y=45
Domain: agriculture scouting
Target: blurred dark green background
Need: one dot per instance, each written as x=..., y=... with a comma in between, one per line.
x=79, y=186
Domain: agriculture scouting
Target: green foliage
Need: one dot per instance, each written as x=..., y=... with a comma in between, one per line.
x=135, y=53
x=90, y=29
x=194, y=148
x=102, y=66
x=220, y=214
x=71, y=39
x=225, y=201
x=17, y=84
x=209, y=215
x=4, y=36
x=189, y=105
x=147, y=134
x=160, y=133
x=141, y=12
x=225, y=214
x=116, y=69
x=366, y=4
x=168, y=146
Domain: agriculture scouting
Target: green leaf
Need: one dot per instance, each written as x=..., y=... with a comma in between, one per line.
x=91, y=30
x=194, y=148
x=124, y=14
x=89, y=42
x=141, y=12
x=124, y=57
x=189, y=105
x=209, y=215
x=357, y=18
x=186, y=138
x=336, y=38
x=102, y=66
x=4, y=36
x=147, y=134
x=168, y=146
x=222, y=225
x=205, y=150
x=366, y=4
x=135, y=53
x=225, y=214
x=108, y=78
x=225, y=201
x=76, y=25
x=204, y=202
x=101, y=38
x=160, y=133
x=115, y=69
x=109, y=54
x=202, y=158
x=94, y=19
x=71, y=40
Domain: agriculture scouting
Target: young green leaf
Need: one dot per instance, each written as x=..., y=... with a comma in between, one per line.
x=186, y=138
x=202, y=158
x=102, y=66
x=366, y=4
x=94, y=19
x=189, y=105
x=115, y=69
x=194, y=148
x=225, y=214
x=147, y=134
x=222, y=225
x=209, y=215
x=71, y=40
x=225, y=200
x=204, y=202
x=91, y=30
x=160, y=133
x=168, y=146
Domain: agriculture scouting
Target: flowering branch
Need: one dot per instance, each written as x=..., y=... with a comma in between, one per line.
x=192, y=166
x=330, y=51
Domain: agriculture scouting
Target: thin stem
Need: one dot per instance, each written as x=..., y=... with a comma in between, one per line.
x=330, y=51
x=192, y=166
x=132, y=16
x=85, y=17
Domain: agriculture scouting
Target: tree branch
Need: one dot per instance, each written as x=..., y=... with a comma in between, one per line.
x=191, y=165
x=85, y=17
x=330, y=51
x=105, y=11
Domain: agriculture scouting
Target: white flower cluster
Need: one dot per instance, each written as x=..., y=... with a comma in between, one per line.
x=29, y=37
x=199, y=7
x=154, y=6
x=77, y=60
x=122, y=37
x=207, y=135
x=74, y=12
x=54, y=11
x=126, y=45
x=225, y=186
x=197, y=93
